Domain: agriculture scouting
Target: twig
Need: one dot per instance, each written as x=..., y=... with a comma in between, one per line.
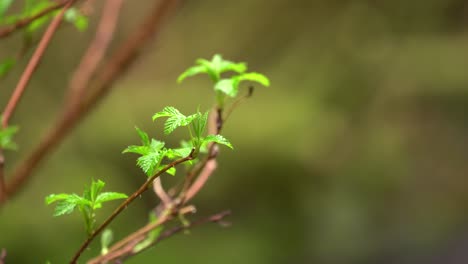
x=124, y=205
x=33, y=62
x=117, y=65
x=161, y=193
x=171, y=232
x=125, y=248
x=204, y=175
x=126, y=245
x=3, y=255
x=24, y=22
x=3, y=194
x=95, y=52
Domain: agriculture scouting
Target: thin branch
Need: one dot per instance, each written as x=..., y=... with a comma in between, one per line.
x=126, y=245
x=161, y=193
x=3, y=194
x=202, y=178
x=5, y=32
x=95, y=52
x=3, y=254
x=115, y=68
x=32, y=65
x=216, y=218
x=124, y=205
x=126, y=249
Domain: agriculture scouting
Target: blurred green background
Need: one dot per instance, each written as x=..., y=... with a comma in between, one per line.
x=357, y=153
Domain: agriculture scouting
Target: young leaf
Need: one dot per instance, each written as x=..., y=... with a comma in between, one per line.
x=144, y=136
x=66, y=203
x=6, y=137
x=64, y=207
x=199, y=124
x=149, y=162
x=175, y=120
x=217, y=139
x=229, y=87
x=194, y=70
x=96, y=187
x=106, y=239
x=56, y=197
x=178, y=153
x=110, y=196
x=213, y=68
x=34, y=10
x=74, y=16
x=255, y=77
x=6, y=65
x=4, y=5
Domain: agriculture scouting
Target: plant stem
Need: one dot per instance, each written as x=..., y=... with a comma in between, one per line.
x=124, y=205
x=24, y=22
x=32, y=65
x=107, y=75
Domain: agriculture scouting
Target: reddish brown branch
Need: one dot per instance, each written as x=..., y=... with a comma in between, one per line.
x=95, y=52
x=3, y=195
x=202, y=178
x=216, y=218
x=124, y=205
x=32, y=65
x=3, y=255
x=24, y=22
x=117, y=65
x=126, y=247
x=161, y=193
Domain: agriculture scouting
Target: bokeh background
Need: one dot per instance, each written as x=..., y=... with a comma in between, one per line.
x=357, y=153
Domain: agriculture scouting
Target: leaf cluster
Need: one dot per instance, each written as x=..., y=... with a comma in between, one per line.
x=224, y=86
x=152, y=152
x=92, y=199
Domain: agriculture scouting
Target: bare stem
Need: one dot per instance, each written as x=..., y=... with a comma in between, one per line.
x=3, y=194
x=32, y=65
x=126, y=246
x=216, y=218
x=119, y=63
x=124, y=205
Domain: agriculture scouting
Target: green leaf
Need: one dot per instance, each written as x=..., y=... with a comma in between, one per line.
x=110, y=196
x=199, y=124
x=151, y=152
x=74, y=16
x=6, y=66
x=56, y=197
x=66, y=203
x=175, y=120
x=96, y=187
x=229, y=87
x=194, y=70
x=34, y=10
x=171, y=171
x=255, y=77
x=142, y=150
x=178, y=152
x=149, y=162
x=106, y=239
x=217, y=139
x=213, y=68
x=144, y=136
x=6, y=137
x=4, y=5
x=64, y=207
